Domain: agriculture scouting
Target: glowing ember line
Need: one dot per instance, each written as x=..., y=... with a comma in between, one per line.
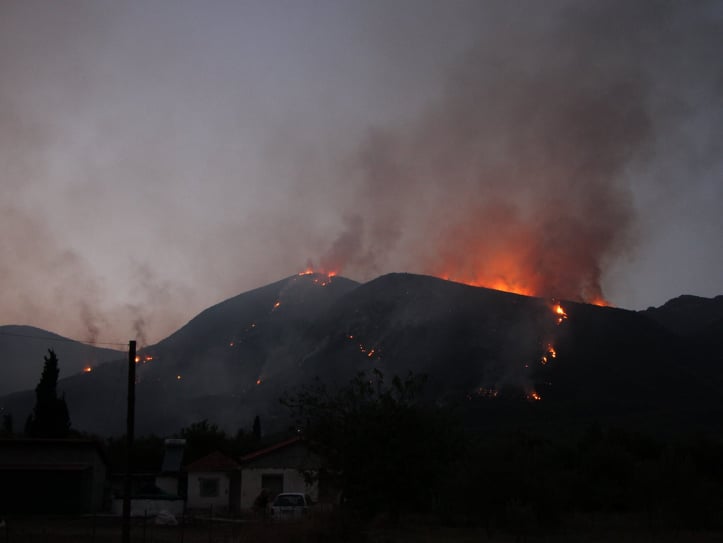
x=487, y=392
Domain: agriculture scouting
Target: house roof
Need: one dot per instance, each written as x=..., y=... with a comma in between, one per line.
x=216, y=461
x=263, y=452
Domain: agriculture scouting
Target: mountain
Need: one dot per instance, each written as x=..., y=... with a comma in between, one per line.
x=500, y=359
x=209, y=368
x=22, y=349
x=690, y=315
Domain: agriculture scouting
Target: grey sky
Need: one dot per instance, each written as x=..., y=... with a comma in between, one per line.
x=158, y=157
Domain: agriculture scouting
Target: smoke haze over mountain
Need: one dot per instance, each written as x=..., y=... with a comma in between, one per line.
x=158, y=158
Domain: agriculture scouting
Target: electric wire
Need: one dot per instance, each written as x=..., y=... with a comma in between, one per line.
x=60, y=338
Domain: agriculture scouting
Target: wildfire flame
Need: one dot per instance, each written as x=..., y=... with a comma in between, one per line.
x=87, y=369
x=534, y=396
x=550, y=353
x=311, y=271
x=370, y=352
x=559, y=312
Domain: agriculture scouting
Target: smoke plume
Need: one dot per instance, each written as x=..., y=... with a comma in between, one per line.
x=518, y=176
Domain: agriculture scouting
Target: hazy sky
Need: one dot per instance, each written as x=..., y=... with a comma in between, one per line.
x=159, y=156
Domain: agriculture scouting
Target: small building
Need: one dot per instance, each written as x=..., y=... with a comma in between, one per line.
x=214, y=482
x=278, y=468
x=52, y=476
x=156, y=493
x=172, y=479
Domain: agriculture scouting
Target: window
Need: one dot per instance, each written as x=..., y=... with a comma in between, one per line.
x=208, y=488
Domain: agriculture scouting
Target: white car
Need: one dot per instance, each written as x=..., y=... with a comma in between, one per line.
x=290, y=506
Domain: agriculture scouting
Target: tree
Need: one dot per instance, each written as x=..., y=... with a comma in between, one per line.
x=256, y=429
x=50, y=418
x=386, y=450
x=203, y=438
x=7, y=428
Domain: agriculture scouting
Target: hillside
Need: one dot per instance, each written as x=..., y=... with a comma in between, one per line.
x=22, y=349
x=500, y=358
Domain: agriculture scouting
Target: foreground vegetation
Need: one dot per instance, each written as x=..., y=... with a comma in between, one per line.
x=395, y=462
x=394, y=456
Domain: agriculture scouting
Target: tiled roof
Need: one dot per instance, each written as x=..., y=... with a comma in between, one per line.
x=270, y=449
x=216, y=461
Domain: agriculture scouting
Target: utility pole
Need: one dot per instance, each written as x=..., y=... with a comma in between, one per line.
x=130, y=427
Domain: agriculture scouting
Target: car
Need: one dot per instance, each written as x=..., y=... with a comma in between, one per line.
x=290, y=506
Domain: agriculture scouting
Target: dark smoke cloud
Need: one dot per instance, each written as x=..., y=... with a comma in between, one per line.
x=42, y=277
x=347, y=250
x=156, y=161
x=520, y=172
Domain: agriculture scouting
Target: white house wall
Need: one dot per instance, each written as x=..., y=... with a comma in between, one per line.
x=251, y=484
x=149, y=508
x=194, y=498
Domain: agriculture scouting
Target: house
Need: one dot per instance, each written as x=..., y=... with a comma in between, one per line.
x=278, y=468
x=153, y=493
x=52, y=476
x=214, y=483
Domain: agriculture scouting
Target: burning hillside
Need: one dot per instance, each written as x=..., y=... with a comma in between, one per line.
x=488, y=349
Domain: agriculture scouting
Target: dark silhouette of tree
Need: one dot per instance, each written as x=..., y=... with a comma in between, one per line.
x=256, y=430
x=384, y=448
x=7, y=429
x=203, y=438
x=50, y=418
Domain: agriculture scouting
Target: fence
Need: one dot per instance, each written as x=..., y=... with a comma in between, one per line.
x=202, y=528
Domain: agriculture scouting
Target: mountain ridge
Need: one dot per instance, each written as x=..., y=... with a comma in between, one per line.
x=234, y=360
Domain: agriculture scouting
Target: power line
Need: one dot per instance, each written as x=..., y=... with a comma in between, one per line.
x=58, y=338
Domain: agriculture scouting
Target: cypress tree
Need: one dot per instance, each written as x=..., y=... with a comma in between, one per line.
x=256, y=430
x=50, y=417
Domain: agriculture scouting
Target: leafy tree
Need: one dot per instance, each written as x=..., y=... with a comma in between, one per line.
x=203, y=438
x=385, y=449
x=50, y=418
